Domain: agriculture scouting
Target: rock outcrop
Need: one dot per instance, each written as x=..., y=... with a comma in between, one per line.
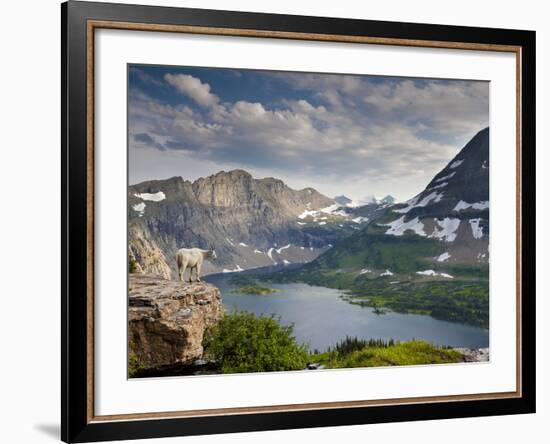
x=148, y=257
x=168, y=319
x=474, y=354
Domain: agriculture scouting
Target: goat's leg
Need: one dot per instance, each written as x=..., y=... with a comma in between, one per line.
x=198, y=271
x=181, y=271
x=191, y=274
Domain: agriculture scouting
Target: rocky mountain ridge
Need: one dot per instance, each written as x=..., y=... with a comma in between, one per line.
x=250, y=222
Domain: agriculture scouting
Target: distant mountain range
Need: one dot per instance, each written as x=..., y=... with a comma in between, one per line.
x=261, y=222
x=366, y=200
x=250, y=222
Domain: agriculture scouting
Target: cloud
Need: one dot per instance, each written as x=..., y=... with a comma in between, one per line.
x=343, y=130
x=193, y=88
x=145, y=77
x=144, y=139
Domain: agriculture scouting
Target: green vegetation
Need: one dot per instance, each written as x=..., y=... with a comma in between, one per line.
x=243, y=343
x=401, y=254
x=457, y=301
x=353, y=352
x=254, y=289
x=132, y=264
x=351, y=344
x=462, y=299
x=134, y=366
x=248, y=285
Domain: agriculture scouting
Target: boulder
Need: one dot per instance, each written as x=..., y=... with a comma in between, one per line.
x=474, y=354
x=167, y=320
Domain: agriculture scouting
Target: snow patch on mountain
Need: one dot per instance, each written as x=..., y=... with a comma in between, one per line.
x=433, y=197
x=330, y=209
x=360, y=219
x=456, y=164
x=477, y=230
x=153, y=197
x=399, y=226
x=434, y=273
x=441, y=185
x=307, y=213
x=427, y=273
x=443, y=257
x=446, y=229
x=441, y=179
x=386, y=273
x=139, y=208
x=334, y=210
x=283, y=248
x=461, y=205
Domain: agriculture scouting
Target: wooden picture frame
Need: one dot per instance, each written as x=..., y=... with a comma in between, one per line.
x=79, y=22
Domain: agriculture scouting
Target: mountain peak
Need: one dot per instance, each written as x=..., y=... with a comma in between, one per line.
x=389, y=199
x=342, y=200
x=233, y=173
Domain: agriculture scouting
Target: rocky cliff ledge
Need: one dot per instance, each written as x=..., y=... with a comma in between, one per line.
x=167, y=320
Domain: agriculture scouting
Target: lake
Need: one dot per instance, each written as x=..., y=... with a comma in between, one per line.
x=322, y=318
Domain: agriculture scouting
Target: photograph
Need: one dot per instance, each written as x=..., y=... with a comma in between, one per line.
x=304, y=221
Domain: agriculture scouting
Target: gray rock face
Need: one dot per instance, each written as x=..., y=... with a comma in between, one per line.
x=248, y=221
x=167, y=320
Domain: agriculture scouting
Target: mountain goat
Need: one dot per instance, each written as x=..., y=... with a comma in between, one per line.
x=192, y=258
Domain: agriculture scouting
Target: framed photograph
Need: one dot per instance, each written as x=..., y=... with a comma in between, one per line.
x=276, y=221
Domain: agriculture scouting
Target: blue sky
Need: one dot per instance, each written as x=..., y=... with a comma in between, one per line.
x=341, y=134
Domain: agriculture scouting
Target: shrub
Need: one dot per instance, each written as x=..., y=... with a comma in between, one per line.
x=243, y=343
x=134, y=366
x=132, y=264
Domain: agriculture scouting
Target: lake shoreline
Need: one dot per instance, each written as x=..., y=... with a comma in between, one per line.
x=313, y=308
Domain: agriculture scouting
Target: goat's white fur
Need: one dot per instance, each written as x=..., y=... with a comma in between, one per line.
x=192, y=258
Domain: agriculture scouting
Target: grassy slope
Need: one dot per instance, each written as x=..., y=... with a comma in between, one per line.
x=404, y=353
